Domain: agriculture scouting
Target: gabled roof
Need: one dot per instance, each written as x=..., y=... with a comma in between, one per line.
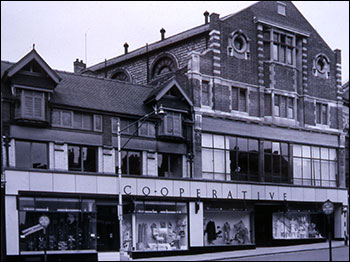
x=96, y=93
x=140, y=51
x=163, y=88
x=33, y=55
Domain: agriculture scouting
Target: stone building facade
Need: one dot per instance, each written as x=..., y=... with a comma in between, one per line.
x=251, y=146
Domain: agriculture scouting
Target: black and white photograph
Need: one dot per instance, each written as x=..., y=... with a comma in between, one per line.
x=174, y=131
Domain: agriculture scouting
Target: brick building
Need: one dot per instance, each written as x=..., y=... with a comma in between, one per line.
x=251, y=146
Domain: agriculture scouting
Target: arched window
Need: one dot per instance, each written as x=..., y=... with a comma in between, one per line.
x=121, y=76
x=163, y=65
x=321, y=66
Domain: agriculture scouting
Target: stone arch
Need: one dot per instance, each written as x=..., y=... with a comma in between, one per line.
x=121, y=75
x=164, y=63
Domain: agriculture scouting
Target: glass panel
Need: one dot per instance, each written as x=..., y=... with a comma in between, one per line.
x=316, y=171
x=205, y=93
x=332, y=171
x=207, y=140
x=56, y=117
x=233, y=143
x=87, y=121
x=114, y=125
x=66, y=118
x=74, y=158
x=207, y=160
x=219, y=161
x=98, y=122
x=282, y=54
x=143, y=130
x=325, y=172
x=276, y=165
x=242, y=144
x=324, y=115
x=234, y=98
x=306, y=171
x=134, y=163
x=296, y=150
x=332, y=154
x=267, y=146
x=151, y=129
x=324, y=153
x=306, y=151
x=315, y=152
x=170, y=124
x=318, y=113
x=38, y=106
x=290, y=108
x=162, y=165
x=39, y=155
x=297, y=171
x=175, y=165
x=253, y=163
x=78, y=120
x=242, y=100
x=289, y=55
x=226, y=228
x=23, y=154
x=275, y=52
x=124, y=162
x=219, y=141
x=285, y=149
x=253, y=145
x=276, y=148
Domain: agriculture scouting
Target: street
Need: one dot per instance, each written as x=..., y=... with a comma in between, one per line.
x=338, y=254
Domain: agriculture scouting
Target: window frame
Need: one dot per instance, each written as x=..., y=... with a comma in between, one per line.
x=320, y=113
x=82, y=167
x=128, y=151
x=238, y=100
x=24, y=93
x=169, y=164
x=164, y=124
x=208, y=93
x=30, y=154
x=73, y=114
x=279, y=43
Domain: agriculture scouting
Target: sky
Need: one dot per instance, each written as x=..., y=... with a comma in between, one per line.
x=97, y=30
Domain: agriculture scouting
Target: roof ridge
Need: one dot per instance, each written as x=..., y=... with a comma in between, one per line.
x=103, y=78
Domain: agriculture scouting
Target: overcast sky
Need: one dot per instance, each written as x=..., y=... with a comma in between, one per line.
x=61, y=29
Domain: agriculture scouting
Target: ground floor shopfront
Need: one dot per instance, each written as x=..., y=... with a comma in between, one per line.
x=164, y=217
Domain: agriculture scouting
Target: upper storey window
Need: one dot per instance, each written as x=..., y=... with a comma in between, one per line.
x=238, y=45
x=163, y=65
x=281, y=8
x=171, y=126
x=279, y=46
x=283, y=47
x=321, y=66
x=121, y=75
x=31, y=106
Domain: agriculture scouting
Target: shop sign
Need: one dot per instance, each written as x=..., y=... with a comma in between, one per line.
x=164, y=191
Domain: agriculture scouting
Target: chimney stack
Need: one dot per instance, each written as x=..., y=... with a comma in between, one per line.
x=162, y=32
x=126, y=48
x=78, y=65
x=206, y=15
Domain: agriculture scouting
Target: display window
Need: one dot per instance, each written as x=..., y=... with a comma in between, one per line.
x=161, y=226
x=56, y=224
x=296, y=225
x=227, y=226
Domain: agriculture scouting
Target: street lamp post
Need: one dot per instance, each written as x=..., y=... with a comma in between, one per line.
x=156, y=111
x=328, y=209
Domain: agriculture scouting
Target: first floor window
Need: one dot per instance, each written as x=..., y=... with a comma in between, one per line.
x=315, y=166
x=172, y=124
x=321, y=114
x=169, y=165
x=276, y=162
x=82, y=158
x=239, y=99
x=31, y=155
x=205, y=93
x=130, y=162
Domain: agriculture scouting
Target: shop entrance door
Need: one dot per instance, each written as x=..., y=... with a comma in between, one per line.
x=263, y=226
x=107, y=228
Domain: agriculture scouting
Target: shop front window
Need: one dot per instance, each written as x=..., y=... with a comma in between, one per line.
x=72, y=224
x=297, y=225
x=161, y=226
x=227, y=226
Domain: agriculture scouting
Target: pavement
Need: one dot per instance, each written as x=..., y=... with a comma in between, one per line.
x=245, y=253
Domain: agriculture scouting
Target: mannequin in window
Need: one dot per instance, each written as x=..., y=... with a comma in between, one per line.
x=211, y=231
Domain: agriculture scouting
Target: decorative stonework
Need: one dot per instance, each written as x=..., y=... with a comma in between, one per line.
x=260, y=55
x=215, y=45
x=304, y=66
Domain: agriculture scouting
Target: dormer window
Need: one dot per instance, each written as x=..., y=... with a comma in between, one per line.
x=31, y=105
x=281, y=8
x=171, y=126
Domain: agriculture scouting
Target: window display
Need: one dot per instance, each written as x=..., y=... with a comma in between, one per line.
x=295, y=225
x=161, y=226
x=71, y=224
x=227, y=227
